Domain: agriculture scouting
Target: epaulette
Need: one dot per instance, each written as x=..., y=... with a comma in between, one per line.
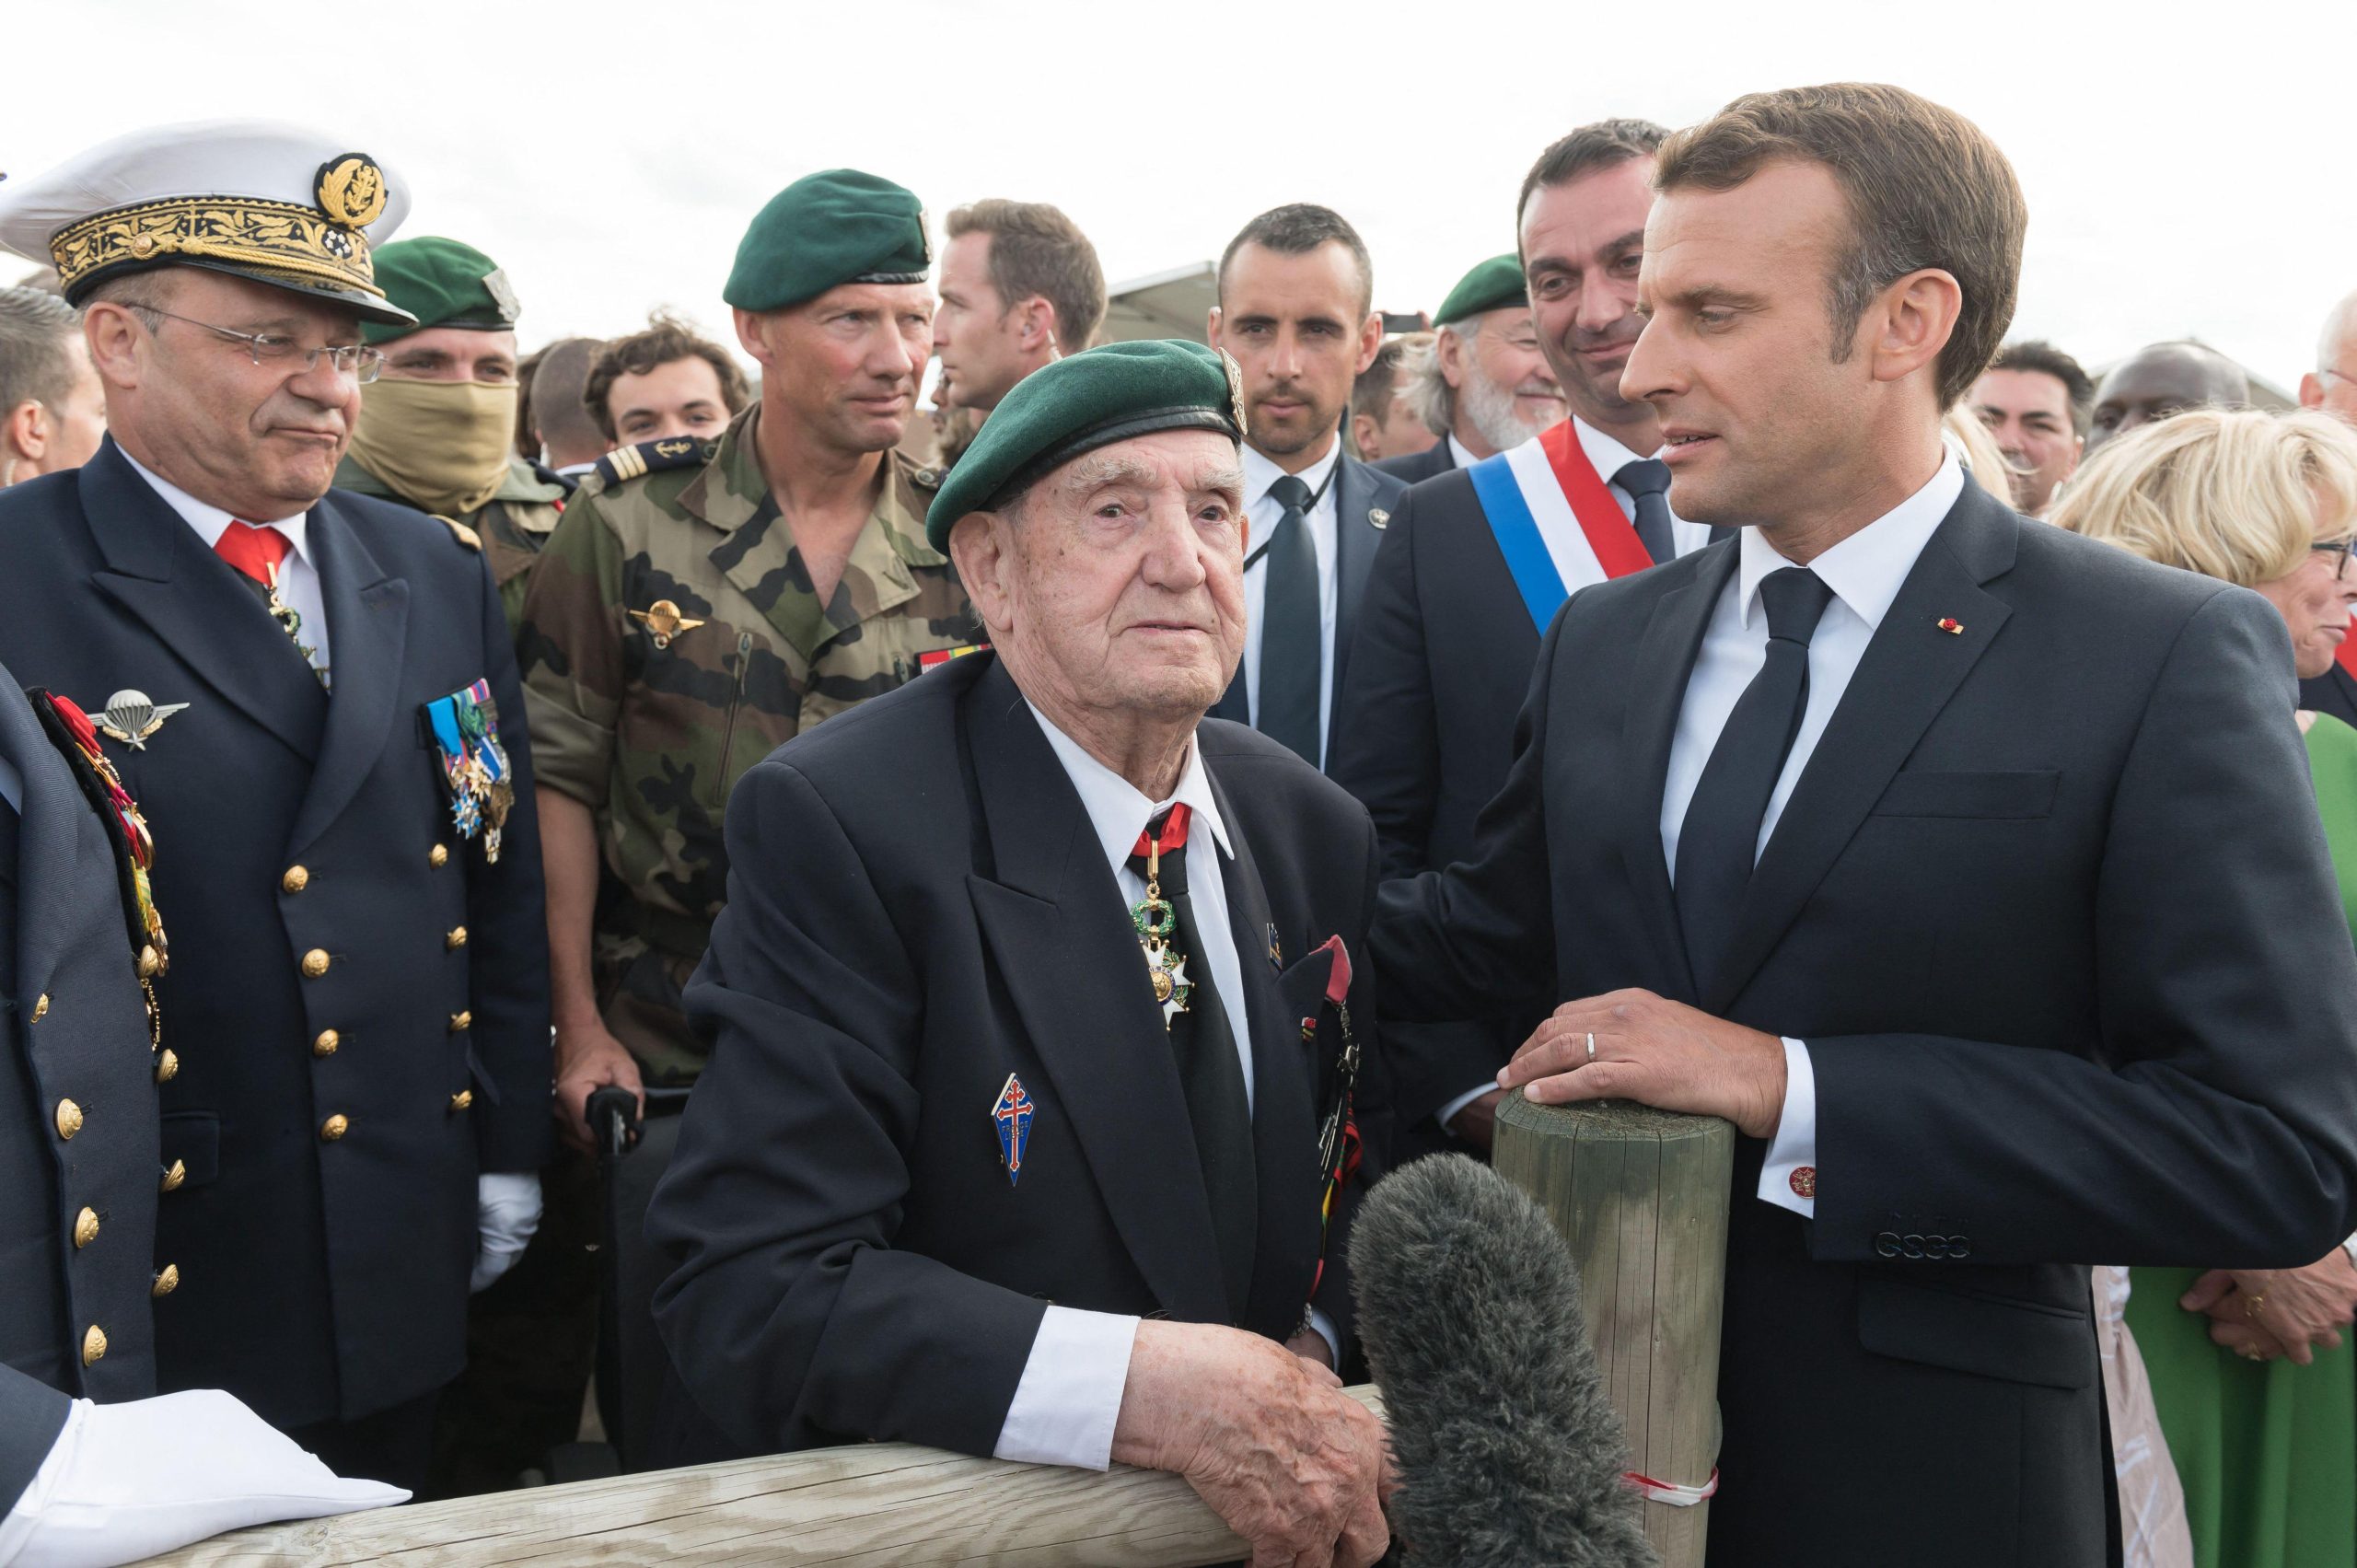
x=650, y=457
x=465, y=535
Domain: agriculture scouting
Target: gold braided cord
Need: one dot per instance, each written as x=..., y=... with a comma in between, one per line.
x=297, y=242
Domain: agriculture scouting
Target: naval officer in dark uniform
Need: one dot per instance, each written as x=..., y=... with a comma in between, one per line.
x=93, y=1467
x=314, y=697
x=1029, y=1008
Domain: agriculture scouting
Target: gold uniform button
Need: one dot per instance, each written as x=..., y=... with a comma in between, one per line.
x=461, y=1021
x=85, y=1228
x=334, y=1127
x=438, y=856
x=174, y=1177
x=457, y=939
x=166, y=1281
x=69, y=1119
x=462, y=1100
x=296, y=879
x=327, y=1042
x=315, y=962
x=40, y=1007
x=94, y=1345
x=168, y=1066
x=151, y=963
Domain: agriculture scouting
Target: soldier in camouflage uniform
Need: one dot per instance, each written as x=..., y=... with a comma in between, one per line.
x=703, y=602
x=436, y=431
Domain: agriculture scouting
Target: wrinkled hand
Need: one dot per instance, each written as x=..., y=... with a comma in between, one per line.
x=1477, y=1120
x=587, y=1058
x=2294, y=1310
x=1657, y=1052
x=1284, y=1457
x=1311, y=1346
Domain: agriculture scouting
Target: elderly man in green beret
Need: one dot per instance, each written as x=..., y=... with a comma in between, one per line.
x=1028, y=1128
x=1487, y=385
x=437, y=429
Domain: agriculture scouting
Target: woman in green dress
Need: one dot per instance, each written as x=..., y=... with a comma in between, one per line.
x=2255, y=1390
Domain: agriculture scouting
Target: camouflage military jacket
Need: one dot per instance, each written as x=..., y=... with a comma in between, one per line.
x=513, y=525
x=671, y=639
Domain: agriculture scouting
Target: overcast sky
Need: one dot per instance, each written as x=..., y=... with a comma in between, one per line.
x=2189, y=169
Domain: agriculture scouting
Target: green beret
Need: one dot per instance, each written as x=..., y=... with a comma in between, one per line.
x=1079, y=403
x=1490, y=285
x=835, y=226
x=443, y=284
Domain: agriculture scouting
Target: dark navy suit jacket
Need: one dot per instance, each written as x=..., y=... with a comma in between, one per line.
x=319, y=1279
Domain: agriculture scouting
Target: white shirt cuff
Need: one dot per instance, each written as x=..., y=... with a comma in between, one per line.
x=1330, y=1334
x=1447, y=1113
x=1070, y=1396
x=1789, y=1178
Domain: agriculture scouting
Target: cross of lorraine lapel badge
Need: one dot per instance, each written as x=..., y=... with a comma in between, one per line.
x=1012, y=1113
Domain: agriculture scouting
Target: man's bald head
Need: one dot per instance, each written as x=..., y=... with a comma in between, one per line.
x=2162, y=380
x=2329, y=385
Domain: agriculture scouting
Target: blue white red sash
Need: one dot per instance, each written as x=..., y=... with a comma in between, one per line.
x=1549, y=479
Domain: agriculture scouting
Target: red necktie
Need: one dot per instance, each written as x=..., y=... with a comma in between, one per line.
x=255, y=549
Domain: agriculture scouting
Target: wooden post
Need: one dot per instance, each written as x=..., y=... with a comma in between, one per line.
x=1640, y=1198
x=868, y=1505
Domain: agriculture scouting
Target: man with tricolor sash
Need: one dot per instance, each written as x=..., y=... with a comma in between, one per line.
x=1478, y=559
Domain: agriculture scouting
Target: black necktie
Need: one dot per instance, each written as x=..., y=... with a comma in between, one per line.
x=1211, y=1076
x=1719, y=838
x=1647, y=482
x=1291, y=667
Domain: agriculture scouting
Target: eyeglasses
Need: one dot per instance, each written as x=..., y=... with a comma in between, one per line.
x=358, y=360
x=2339, y=554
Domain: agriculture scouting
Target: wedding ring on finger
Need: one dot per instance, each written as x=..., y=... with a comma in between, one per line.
x=2252, y=1303
x=2249, y=1353
x=1591, y=1047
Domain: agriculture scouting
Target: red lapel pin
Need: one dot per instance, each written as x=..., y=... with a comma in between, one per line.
x=1951, y=626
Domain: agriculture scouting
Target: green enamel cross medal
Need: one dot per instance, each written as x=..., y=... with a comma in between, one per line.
x=1156, y=921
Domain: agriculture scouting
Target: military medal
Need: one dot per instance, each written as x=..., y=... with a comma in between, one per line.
x=474, y=764
x=663, y=621
x=126, y=829
x=132, y=717
x=1157, y=920
x=1011, y=1113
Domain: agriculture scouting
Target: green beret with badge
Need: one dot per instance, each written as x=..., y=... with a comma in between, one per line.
x=833, y=227
x=1490, y=285
x=1081, y=402
x=443, y=283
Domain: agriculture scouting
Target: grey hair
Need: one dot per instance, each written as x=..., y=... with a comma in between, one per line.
x=2338, y=324
x=1428, y=396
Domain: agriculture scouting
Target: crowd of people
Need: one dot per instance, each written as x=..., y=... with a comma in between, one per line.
x=1708, y=664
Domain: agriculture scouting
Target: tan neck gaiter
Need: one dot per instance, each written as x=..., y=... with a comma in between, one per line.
x=444, y=445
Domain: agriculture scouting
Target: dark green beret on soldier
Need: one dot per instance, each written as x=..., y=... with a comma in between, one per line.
x=836, y=226
x=1084, y=402
x=1489, y=286
x=445, y=444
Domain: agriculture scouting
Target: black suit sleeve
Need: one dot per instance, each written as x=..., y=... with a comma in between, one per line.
x=31, y=1415
x=1373, y=1111
x=507, y=939
x=1386, y=738
x=2228, y=1009
x=1479, y=942
x=788, y=1302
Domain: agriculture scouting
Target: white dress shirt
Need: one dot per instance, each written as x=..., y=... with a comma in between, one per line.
x=1458, y=452
x=1262, y=510
x=1069, y=1395
x=298, y=576
x=1865, y=572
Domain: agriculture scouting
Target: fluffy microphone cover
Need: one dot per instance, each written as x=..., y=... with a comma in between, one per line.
x=1469, y=1304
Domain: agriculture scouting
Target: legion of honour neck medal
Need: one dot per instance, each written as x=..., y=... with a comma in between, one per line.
x=1155, y=920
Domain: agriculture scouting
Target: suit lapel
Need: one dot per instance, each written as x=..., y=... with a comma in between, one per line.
x=367, y=630
x=1053, y=917
x=202, y=616
x=1284, y=1131
x=1355, y=540
x=1665, y=655
x=1910, y=668
x=49, y=831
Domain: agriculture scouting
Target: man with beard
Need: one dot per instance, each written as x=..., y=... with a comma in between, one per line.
x=1476, y=563
x=1487, y=385
x=1297, y=310
x=436, y=430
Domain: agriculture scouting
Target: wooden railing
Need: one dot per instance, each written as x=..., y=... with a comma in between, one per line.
x=877, y=1504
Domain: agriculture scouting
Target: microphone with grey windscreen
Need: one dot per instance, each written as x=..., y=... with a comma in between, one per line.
x=1508, y=1450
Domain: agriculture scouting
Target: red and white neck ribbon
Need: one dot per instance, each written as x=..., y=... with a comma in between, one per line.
x=1669, y=1492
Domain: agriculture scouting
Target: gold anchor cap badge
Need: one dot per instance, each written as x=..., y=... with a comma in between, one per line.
x=663, y=618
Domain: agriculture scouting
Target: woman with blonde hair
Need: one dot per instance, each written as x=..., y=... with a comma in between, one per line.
x=2254, y=1390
